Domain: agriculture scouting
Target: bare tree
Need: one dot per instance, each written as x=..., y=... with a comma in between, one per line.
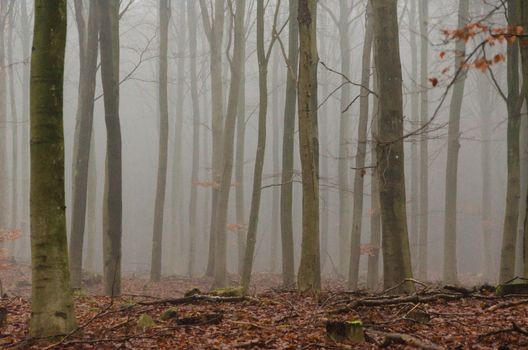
x=309, y=275
x=52, y=310
x=113, y=204
x=157, y=236
x=89, y=40
x=390, y=156
x=453, y=146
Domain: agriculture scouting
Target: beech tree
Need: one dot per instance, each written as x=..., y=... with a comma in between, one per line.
x=390, y=157
x=164, y=17
x=113, y=205
x=453, y=146
x=309, y=275
x=52, y=310
x=88, y=51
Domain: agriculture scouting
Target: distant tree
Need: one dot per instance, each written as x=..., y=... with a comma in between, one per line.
x=159, y=206
x=390, y=156
x=112, y=205
x=309, y=275
x=52, y=309
x=5, y=9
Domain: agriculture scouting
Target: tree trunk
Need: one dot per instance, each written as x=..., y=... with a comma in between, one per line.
x=375, y=218
x=24, y=127
x=424, y=143
x=4, y=171
x=513, y=187
x=309, y=275
x=524, y=56
x=286, y=200
x=215, y=31
x=177, y=231
x=261, y=149
x=91, y=198
x=415, y=166
x=113, y=206
x=157, y=236
x=88, y=37
x=195, y=167
x=275, y=200
x=239, y=166
x=453, y=146
x=222, y=204
x=52, y=309
x=344, y=136
x=361, y=154
x=390, y=167
x=14, y=119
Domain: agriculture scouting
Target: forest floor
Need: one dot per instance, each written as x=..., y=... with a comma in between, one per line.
x=158, y=316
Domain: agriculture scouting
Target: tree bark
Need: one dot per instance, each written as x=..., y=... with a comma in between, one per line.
x=89, y=39
x=5, y=8
x=52, y=309
x=309, y=275
x=113, y=205
x=450, y=275
x=390, y=167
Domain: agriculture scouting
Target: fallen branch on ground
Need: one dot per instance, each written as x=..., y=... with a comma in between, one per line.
x=405, y=339
x=195, y=298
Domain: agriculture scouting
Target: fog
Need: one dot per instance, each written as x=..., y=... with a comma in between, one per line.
x=483, y=110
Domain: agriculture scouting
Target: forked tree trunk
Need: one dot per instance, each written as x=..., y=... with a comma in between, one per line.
x=286, y=201
x=309, y=275
x=159, y=206
x=361, y=154
x=453, y=146
x=113, y=204
x=52, y=309
x=390, y=166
